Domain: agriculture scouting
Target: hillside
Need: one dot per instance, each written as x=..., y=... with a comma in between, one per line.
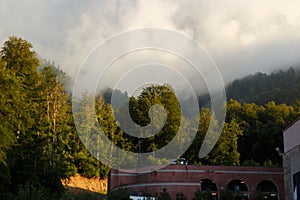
x=78, y=183
x=260, y=88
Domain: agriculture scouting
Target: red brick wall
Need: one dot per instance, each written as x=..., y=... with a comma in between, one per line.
x=186, y=178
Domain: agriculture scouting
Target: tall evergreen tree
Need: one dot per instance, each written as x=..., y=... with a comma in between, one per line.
x=55, y=129
x=38, y=115
x=7, y=136
x=22, y=64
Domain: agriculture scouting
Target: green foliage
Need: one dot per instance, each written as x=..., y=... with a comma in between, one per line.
x=260, y=88
x=32, y=191
x=139, y=110
x=86, y=163
x=20, y=59
x=180, y=196
x=89, y=166
x=164, y=195
x=250, y=162
x=202, y=195
x=205, y=117
x=226, y=150
x=83, y=196
x=109, y=125
x=4, y=179
x=7, y=136
x=21, y=108
x=262, y=129
x=273, y=119
x=119, y=97
x=7, y=87
x=258, y=196
x=39, y=144
x=35, y=120
x=120, y=194
x=270, y=163
x=227, y=194
x=56, y=132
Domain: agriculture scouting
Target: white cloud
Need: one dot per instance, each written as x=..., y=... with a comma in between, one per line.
x=242, y=37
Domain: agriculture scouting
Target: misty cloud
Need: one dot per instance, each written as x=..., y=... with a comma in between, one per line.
x=241, y=37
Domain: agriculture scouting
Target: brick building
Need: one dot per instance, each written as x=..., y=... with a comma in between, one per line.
x=189, y=178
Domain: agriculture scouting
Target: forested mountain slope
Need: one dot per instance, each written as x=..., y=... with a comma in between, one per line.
x=260, y=88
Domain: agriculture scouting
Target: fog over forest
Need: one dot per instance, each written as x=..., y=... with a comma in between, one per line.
x=241, y=37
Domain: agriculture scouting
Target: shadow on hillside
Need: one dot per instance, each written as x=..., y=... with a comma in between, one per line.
x=75, y=193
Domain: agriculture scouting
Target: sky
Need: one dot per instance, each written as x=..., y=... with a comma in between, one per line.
x=241, y=37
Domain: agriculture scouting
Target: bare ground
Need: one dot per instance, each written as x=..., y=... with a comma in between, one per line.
x=80, y=184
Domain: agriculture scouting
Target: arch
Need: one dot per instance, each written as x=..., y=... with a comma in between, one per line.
x=237, y=185
x=208, y=185
x=266, y=186
x=267, y=189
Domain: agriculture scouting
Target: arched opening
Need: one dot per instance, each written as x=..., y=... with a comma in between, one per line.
x=209, y=187
x=238, y=189
x=267, y=190
x=237, y=186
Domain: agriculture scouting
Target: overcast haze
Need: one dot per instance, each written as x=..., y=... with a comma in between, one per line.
x=242, y=37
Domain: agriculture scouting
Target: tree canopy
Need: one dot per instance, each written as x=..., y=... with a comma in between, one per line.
x=39, y=144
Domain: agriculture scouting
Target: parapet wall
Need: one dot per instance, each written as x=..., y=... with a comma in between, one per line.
x=188, y=178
